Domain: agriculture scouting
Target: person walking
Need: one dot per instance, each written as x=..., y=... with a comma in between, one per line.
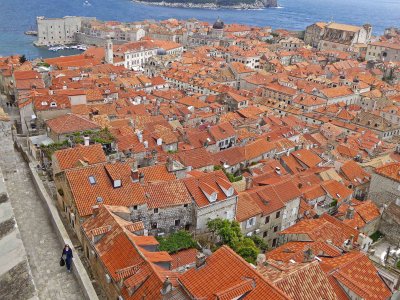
x=67, y=256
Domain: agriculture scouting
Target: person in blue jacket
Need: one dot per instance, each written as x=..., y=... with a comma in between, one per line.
x=67, y=256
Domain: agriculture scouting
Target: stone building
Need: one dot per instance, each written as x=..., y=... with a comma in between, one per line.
x=390, y=222
x=214, y=197
x=385, y=184
x=335, y=36
x=344, y=37
x=313, y=34
x=383, y=51
x=260, y=211
x=57, y=31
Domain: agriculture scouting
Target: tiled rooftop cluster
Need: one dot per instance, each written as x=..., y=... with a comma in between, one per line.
x=295, y=138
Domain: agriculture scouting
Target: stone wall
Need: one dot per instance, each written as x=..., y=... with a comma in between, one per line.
x=383, y=190
x=390, y=223
x=77, y=266
x=214, y=211
x=85, y=39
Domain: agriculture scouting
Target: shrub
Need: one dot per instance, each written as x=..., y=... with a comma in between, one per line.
x=176, y=241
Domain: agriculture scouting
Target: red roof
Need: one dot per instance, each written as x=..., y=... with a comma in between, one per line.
x=71, y=123
x=226, y=275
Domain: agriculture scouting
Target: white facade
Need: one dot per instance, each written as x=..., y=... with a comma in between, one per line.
x=290, y=213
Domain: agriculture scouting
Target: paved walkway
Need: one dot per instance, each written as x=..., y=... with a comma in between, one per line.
x=42, y=246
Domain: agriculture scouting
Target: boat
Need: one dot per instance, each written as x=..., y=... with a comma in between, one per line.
x=31, y=32
x=57, y=48
x=87, y=3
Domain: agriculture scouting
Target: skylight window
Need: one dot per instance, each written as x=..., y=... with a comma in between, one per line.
x=92, y=180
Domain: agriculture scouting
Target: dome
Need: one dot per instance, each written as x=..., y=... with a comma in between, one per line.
x=218, y=24
x=161, y=51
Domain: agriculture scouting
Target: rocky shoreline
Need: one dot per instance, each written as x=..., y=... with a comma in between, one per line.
x=256, y=5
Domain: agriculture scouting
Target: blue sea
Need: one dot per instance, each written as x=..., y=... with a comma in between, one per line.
x=17, y=16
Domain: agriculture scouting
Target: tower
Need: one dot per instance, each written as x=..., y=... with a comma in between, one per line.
x=218, y=29
x=109, y=51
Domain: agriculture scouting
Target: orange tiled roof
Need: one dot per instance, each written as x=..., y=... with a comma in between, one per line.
x=391, y=171
x=226, y=275
x=208, y=183
x=355, y=271
x=80, y=156
x=300, y=281
x=166, y=194
x=71, y=123
x=87, y=194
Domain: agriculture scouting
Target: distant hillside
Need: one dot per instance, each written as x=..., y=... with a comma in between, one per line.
x=215, y=3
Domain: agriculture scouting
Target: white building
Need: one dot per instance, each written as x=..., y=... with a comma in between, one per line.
x=133, y=56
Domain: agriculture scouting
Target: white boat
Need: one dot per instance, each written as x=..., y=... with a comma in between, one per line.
x=87, y=3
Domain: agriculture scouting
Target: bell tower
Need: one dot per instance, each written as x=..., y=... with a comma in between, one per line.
x=109, y=56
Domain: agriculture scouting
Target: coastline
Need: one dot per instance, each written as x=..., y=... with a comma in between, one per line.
x=243, y=6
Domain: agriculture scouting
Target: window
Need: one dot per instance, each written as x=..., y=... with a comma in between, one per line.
x=177, y=222
x=265, y=233
x=185, y=205
x=278, y=214
x=250, y=222
x=266, y=219
x=274, y=242
x=156, y=210
x=135, y=207
x=275, y=228
x=154, y=225
x=92, y=180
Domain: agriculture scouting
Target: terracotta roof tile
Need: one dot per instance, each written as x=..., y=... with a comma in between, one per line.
x=226, y=274
x=71, y=123
x=80, y=156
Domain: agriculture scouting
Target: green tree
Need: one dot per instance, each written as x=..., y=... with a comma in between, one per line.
x=176, y=241
x=259, y=242
x=22, y=59
x=230, y=234
x=247, y=249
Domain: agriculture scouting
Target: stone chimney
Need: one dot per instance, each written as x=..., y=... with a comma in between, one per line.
x=200, y=259
x=86, y=140
x=170, y=164
x=249, y=182
x=95, y=210
x=167, y=286
x=141, y=178
x=350, y=213
x=135, y=174
x=308, y=255
x=261, y=260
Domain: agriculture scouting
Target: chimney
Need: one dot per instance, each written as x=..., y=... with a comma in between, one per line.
x=170, y=164
x=167, y=286
x=308, y=255
x=95, y=210
x=135, y=175
x=350, y=213
x=141, y=178
x=86, y=140
x=200, y=259
x=278, y=170
x=261, y=259
x=249, y=182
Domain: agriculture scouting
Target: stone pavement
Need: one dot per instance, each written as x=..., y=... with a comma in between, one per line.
x=41, y=243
